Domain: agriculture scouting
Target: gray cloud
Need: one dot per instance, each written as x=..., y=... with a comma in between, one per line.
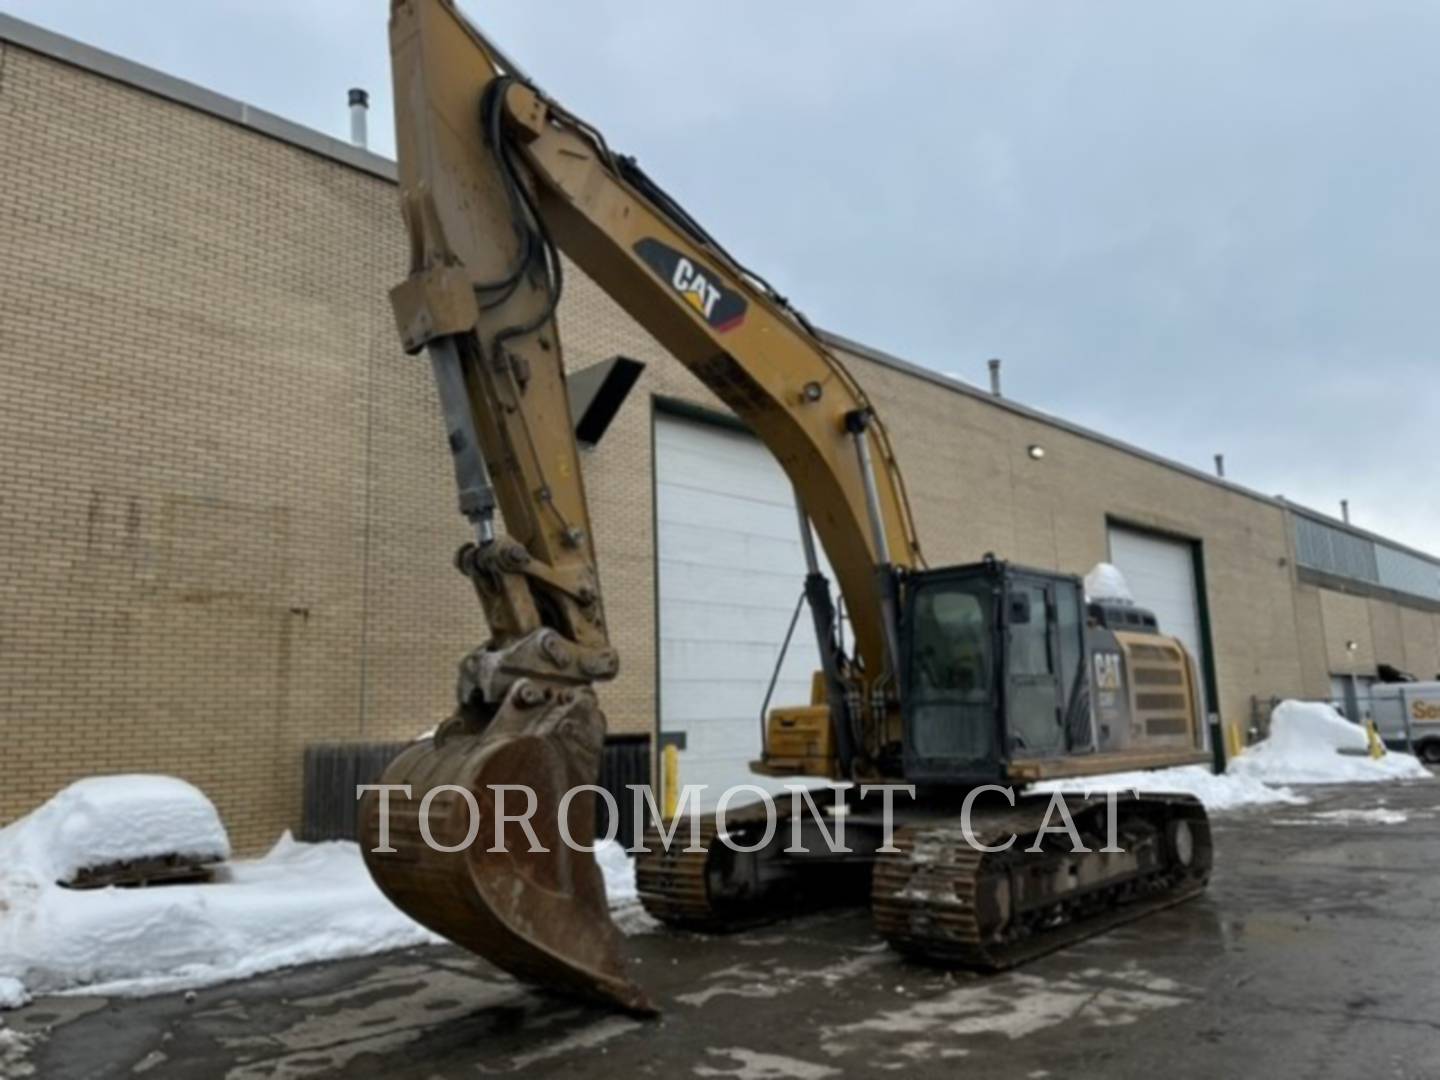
x=1200, y=228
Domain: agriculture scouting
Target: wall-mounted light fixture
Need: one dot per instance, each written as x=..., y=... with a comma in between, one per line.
x=1036, y=451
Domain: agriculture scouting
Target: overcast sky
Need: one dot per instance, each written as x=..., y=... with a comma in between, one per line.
x=1205, y=227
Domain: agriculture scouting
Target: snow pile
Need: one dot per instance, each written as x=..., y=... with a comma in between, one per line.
x=1311, y=743
x=619, y=871
x=110, y=819
x=12, y=993
x=298, y=904
x=1226, y=792
x=1106, y=582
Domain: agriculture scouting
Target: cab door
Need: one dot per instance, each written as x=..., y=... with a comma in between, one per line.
x=1035, y=703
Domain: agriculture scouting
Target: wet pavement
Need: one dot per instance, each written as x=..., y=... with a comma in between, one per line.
x=1315, y=953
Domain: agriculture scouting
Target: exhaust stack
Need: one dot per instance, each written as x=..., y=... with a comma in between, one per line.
x=359, y=113
x=995, y=377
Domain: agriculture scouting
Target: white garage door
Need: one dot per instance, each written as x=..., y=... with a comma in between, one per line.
x=1161, y=575
x=731, y=569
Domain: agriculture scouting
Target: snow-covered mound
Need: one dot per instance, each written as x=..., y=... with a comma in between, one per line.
x=299, y=904
x=109, y=819
x=1311, y=743
x=1217, y=792
x=12, y=994
x=1106, y=582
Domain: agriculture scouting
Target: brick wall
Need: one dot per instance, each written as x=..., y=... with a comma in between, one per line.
x=227, y=515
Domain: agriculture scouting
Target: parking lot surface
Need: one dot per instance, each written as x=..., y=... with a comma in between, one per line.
x=1315, y=953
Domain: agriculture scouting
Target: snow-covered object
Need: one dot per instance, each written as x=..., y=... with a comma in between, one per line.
x=109, y=819
x=1105, y=582
x=1310, y=743
x=1228, y=792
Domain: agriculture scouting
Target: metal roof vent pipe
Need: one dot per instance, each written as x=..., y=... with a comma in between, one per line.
x=359, y=112
x=995, y=377
x=1220, y=466
x=1345, y=511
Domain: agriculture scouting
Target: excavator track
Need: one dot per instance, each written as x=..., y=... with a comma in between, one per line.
x=939, y=898
x=675, y=879
x=713, y=889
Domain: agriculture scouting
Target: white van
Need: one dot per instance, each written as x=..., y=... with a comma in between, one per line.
x=1408, y=714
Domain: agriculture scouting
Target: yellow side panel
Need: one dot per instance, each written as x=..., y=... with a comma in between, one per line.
x=798, y=742
x=1163, y=713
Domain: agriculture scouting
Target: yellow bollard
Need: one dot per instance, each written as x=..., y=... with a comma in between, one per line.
x=670, y=780
x=1234, y=742
x=1377, y=746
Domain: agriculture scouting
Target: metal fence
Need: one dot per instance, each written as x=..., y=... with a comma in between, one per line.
x=333, y=770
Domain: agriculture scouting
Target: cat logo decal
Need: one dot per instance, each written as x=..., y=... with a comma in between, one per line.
x=700, y=287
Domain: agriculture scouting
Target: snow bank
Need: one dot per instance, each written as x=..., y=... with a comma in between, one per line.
x=1226, y=792
x=109, y=819
x=298, y=904
x=1305, y=747
x=1106, y=582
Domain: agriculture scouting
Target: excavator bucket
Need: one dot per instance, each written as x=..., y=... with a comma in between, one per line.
x=510, y=887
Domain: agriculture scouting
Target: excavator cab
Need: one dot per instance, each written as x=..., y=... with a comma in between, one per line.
x=995, y=660
x=999, y=660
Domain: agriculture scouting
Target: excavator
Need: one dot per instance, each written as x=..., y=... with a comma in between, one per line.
x=960, y=686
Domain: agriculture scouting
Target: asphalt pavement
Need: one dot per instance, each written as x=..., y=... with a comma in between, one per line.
x=1315, y=953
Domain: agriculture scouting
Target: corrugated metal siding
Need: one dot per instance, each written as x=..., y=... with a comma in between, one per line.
x=1403, y=572
x=1333, y=550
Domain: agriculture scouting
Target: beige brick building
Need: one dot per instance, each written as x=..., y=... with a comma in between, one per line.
x=227, y=514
